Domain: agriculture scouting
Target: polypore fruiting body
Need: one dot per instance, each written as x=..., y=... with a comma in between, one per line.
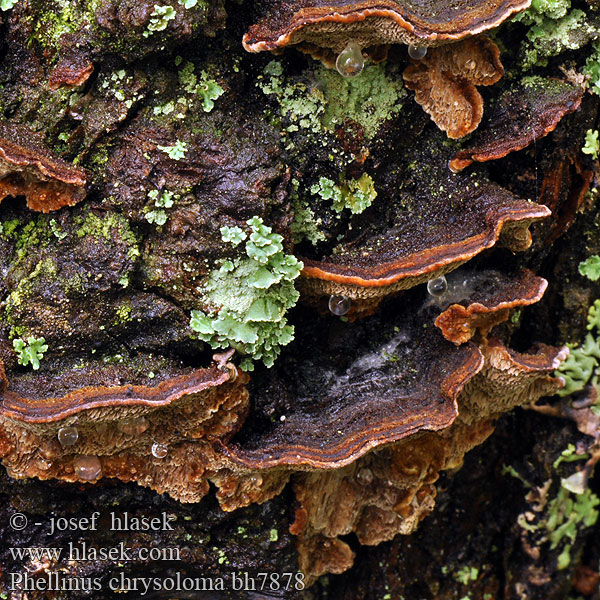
x=158, y=434
x=28, y=169
x=491, y=297
x=423, y=236
x=521, y=115
x=371, y=24
x=445, y=82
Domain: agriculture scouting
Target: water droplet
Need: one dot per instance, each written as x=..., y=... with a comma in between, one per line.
x=339, y=305
x=417, y=52
x=256, y=480
x=87, y=467
x=364, y=476
x=159, y=450
x=133, y=426
x=350, y=61
x=44, y=464
x=437, y=287
x=68, y=436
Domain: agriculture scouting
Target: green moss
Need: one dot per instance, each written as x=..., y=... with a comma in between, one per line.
x=247, y=298
x=7, y=4
x=44, y=270
x=108, y=227
x=123, y=313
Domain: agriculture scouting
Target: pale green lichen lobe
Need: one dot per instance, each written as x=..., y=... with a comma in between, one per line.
x=247, y=298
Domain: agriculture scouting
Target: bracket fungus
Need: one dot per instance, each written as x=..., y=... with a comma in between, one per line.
x=375, y=397
x=158, y=433
x=489, y=302
x=445, y=80
x=391, y=491
x=522, y=114
x=28, y=169
x=450, y=219
x=443, y=75
x=322, y=25
x=381, y=418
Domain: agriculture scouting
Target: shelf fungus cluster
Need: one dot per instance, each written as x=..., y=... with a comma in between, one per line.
x=158, y=433
x=449, y=57
x=331, y=250
x=365, y=433
x=436, y=222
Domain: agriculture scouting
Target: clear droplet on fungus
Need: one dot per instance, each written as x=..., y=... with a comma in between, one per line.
x=350, y=61
x=339, y=305
x=437, y=287
x=417, y=52
x=88, y=467
x=68, y=436
x=159, y=450
x=135, y=426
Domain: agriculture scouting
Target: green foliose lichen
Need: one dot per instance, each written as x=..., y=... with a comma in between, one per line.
x=557, y=521
x=30, y=352
x=159, y=19
x=353, y=194
x=554, y=29
x=205, y=87
x=582, y=365
x=590, y=267
x=591, y=145
x=247, y=298
x=562, y=519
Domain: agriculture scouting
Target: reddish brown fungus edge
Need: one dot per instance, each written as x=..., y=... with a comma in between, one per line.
x=457, y=315
x=46, y=410
x=495, y=151
x=54, y=168
x=423, y=262
x=346, y=451
x=361, y=11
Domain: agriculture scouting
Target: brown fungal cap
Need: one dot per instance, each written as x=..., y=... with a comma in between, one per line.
x=488, y=301
x=26, y=398
x=523, y=114
x=445, y=81
x=28, y=169
x=158, y=433
x=336, y=502
x=374, y=23
x=375, y=397
x=438, y=221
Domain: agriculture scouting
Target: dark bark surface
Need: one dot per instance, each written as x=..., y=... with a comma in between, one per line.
x=179, y=133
